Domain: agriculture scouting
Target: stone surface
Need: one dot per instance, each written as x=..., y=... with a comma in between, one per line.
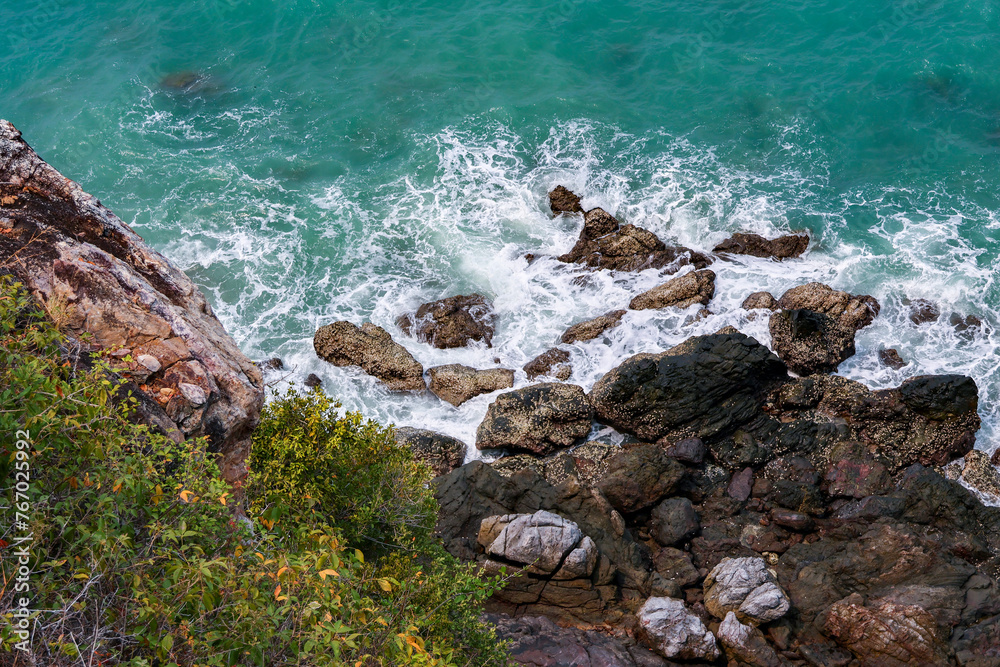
x=552, y=363
x=441, y=452
x=851, y=311
x=453, y=322
x=890, y=357
x=760, y=300
x=923, y=311
x=783, y=247
x=746, y=587
x=456, y=383
x=686, y=450
x=372, y=349
x=537, y=419
x=666, y=626
x=810, y=342
x=562, y=200
x=747, y=643
x=741, y=485
x=592, y=328
x=312, y=380
x=674, y=520
x=680, y=292
x=541, y=540
x=95, y=276
x=639, y=477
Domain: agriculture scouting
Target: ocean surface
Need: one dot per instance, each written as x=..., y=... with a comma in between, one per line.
x=309, y=161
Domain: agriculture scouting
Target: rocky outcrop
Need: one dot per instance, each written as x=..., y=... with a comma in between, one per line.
x=810, y=342
x=372, y=349
x=667, y=626
x=680, y=292
x=746, y=587
x=760, y=300
x=537, y=419
x=783, y=247
x=562, y=200
x=591, y=329
x=605, y=244
x=851, y=311
x=441, y=452
x=552, y=363
x=456, y=383
x=95, y=276
x=453, y=322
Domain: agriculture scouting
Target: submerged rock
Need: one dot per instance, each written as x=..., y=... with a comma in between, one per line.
x=783, y=247
x=923, y=311
x=552, y=363
x=593, y=328
x=562, y=200
x=667, y=626
x=452, y=322
x=373, y=349
x=441, y=452
x=538, y=419
x=456, y=383
x=851, y=311
x=810, y=342
x=890, y=357
x=680, y=292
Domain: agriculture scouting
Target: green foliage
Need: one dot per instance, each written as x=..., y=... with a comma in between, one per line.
x=137, y=558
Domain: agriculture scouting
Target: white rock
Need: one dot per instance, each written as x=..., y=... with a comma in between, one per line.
x=747, y=643
x=580, y=562
x=149, y=362
x=747, y=587
x=541, y=540
x=674, y=632
x=194, y=394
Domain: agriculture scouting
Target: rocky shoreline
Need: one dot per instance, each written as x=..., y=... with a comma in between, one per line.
x=761, y=511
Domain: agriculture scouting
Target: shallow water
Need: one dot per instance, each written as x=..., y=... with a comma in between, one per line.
x=311, y=161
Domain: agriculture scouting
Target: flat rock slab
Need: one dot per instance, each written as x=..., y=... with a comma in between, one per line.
x=456, y=383
x=591, y=329
x=680, y=292
x=783, y=247
x=453, y=322
x=538, y=419
x=441, y=452
x=372, y=349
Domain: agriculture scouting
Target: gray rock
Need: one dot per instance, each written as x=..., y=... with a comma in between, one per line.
x=680, y=292
x=593, y=328
x=747, y=643
x=456, y=383
x=151, y=363
x=688, y=450
x=745, y=586
x=673, y=521
x=373, y=349
x=552, y=363
x=666, y=626
x=540, y=541
x=442, y=453
x=537, y=419
x=452, y=322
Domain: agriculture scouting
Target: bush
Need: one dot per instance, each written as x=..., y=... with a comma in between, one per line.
x=137, y=558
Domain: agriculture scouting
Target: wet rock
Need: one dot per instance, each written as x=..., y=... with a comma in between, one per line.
x=967, y=326
x=747, y=643
x=810, y=342
x=537, y=419
x=745, y=586
x=783, y=247
x=666, y=626
x=373, y=349
x=890, y=357
x=851, y=311
x=605, y=244
x=441, y=452
x=312, y=380
x=274, y=364
x=686, y=450
x=680, y=292
x=562, y=200
x=456, y=383
x=922, y=311
x=674, y=520
x=104, y=283
x=452, y=322
x=593, y=328
x=940, y=397
x=552, y=363
x=639, y=477
x=760, y=300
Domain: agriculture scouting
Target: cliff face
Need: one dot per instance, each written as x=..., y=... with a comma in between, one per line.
x=94, y=275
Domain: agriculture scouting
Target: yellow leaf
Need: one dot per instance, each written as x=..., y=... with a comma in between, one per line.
x=360, y=556
x=117, y=487
x=384, y=585
x=222, y=498
x=282, y=570
x=186, y=496
x=323, y=574
x=277, y=592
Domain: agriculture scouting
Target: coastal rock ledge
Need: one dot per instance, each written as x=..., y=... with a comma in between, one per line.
x=94, y=275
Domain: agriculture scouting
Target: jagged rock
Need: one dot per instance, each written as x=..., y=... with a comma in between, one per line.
x=639, y=477
x=441, y=452
x=705, y=387
x=853, y=312
x=666, y=626
x=886, y=635
x=593, y=328
x=536, y=419
x=553, y=363
x=810, y=342
x=373, y=349
x=967, y=327
x=543, y=542
x=673, y=521
x=605, y=244
x=95, y=276
x=980, y=474
x=456, y=383
x=783, y=247
x=979, y=646
x=680, y=292
x=687, y=450
x=562, y=200
x=760, y=300
x=747, y=643
x=452, y=322
x=890, y=357
x=745, y=586
x=922, y=311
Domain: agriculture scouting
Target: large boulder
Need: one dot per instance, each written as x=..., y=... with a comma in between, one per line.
x=456, y=383
x=745, y=586
x=591, y=329
x=666, y=626
x=537, y=419
x=543, y=543
x=705, y=387
x=680, y=292
x=783, y=247
x=373, y=349
x=452, y=322
x=109, y=290
x=441, y=452
x=605, y=244
x=553, y=362
x=639, y=477
x=562, y=200
x=810, y=342
x=852, y=311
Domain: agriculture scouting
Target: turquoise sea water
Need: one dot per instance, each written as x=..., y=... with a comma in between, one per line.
x=310, y=160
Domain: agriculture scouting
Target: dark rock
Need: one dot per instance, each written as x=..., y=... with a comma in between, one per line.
x=536, y=419
x=553, y=363
x=855, y=472
x=674, y=520
x=274, y=364
x=979, y=646
x=871, y=508
x=562, y=200
x=851, y=311
x=313, y=380
x=760, y=300
x=940, y=397
x=452, y=322
x=675, y=565
x=586, y=464
x=810, y=342
x=639, y=477
x=593, y=328
x=680, y=292
x=741, y=485
x=687, y=450
x=793, y=520
x=783, y=247
x=442, y=453
x=967, y=326
x=373, y=349
x=922, y=310
x=890, y=357
x=456, y=383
